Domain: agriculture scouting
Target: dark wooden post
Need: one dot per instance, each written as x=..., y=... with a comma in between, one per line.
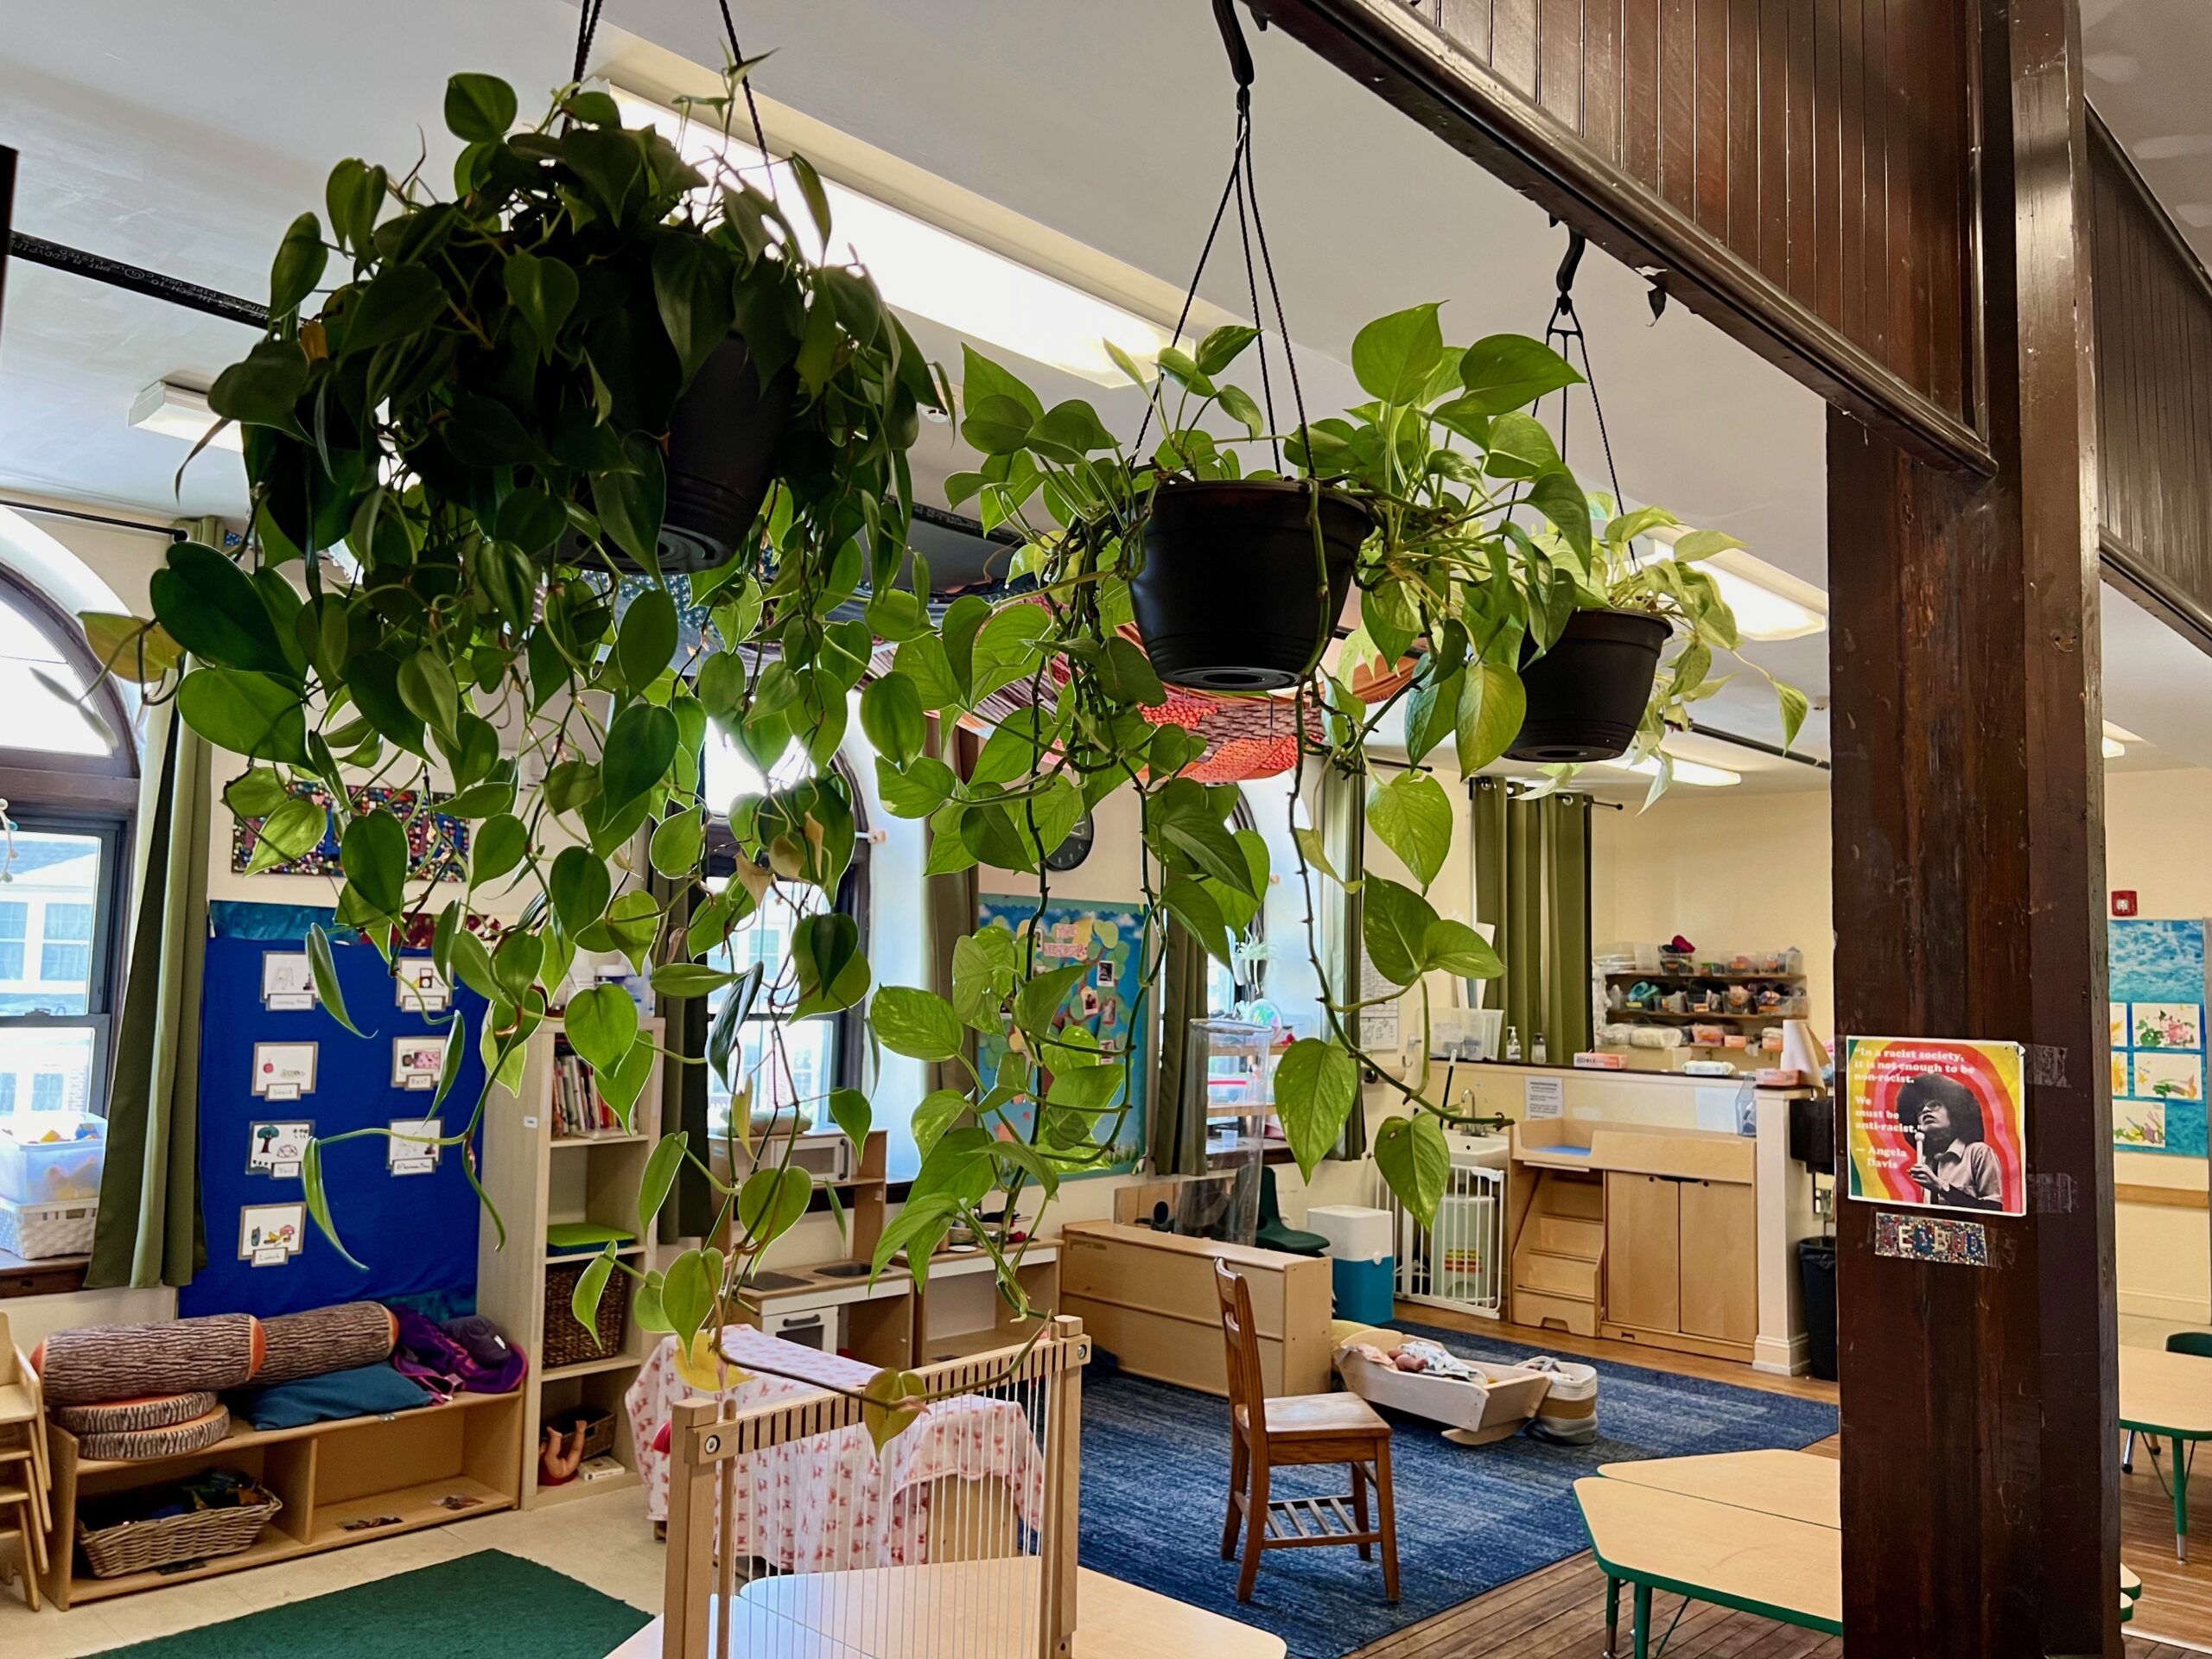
x=1980, y=1496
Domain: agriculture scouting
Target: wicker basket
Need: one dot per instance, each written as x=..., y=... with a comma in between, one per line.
x=598, y=1426
x=568, y=1342
x=140, y=1546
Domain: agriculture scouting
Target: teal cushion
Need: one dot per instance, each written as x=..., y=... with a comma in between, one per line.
x=367, y=1391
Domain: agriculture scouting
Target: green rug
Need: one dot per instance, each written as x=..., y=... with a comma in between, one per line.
x=488, y=1605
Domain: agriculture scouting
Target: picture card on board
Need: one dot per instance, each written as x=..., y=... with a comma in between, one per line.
x=418, y=986
x=287, y=980
x=284, y=1071
x=270, y=1234
x=277, y=1145
x=413, y=1147
x=416, y=1061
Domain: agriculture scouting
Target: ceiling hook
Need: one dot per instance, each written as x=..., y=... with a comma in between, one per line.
x=1567, y=266
x=1233, y=37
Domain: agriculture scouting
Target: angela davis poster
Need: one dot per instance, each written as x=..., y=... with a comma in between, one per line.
x=1937, y=1124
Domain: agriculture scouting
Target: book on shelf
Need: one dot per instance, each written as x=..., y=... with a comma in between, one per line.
x=578, y=1111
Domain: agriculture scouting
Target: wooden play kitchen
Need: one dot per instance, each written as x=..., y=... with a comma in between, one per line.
x=1639, y=1234
x=1760, y=1532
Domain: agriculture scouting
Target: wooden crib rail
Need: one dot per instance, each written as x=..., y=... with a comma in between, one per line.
x=706, y=1439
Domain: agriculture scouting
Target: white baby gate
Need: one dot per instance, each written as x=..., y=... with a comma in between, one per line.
x=1460, y=1262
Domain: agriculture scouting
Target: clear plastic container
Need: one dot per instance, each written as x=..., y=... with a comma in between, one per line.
x=35, y=1171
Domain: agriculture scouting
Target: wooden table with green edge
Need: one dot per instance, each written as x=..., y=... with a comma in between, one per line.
x=1759, y=1532
x=2168, y=1396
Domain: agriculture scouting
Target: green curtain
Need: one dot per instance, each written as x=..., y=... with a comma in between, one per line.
x=1175, y=1138
x=1532, y=884
x=1343, y=839
x=148, y=1230
x=951, y=904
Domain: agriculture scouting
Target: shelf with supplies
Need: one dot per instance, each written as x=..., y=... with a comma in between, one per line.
x=1771, y=1016
x=1729, y=978
x=586, y=1196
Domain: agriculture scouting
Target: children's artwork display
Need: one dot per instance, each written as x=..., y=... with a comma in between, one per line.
x=1937, y=1123
x=1107, y=936
x=2157, y=973
x=437, y=842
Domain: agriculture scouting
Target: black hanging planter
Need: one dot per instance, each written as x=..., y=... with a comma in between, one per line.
x=721, y=457
x=1227, y=600
x=1587, y=694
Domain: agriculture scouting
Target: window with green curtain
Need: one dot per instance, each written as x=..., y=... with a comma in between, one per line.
x=1532, y=884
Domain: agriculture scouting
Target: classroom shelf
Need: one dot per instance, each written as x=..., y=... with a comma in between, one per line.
x=1726, y=979
x=1771, y=1017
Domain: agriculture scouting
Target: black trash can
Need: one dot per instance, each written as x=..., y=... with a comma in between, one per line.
x=1816, y=1275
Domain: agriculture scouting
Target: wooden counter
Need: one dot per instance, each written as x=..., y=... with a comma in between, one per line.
x=1148, y=1299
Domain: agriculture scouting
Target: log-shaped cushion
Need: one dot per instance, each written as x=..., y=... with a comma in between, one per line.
x=326, y=1339
x=177, y=1440
x=125, y=1416
x=129, y=1361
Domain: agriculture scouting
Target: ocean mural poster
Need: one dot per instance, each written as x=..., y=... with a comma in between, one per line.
x=2156, y=973
x=1108, y=938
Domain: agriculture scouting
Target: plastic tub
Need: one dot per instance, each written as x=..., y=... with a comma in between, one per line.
x=49, y=1171
x=1365, y=1289
x=1354, y=1232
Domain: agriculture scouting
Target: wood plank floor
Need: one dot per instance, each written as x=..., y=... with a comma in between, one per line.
x=1560, y=1612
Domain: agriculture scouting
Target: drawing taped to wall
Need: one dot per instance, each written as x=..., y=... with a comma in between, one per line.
x=2157, y=973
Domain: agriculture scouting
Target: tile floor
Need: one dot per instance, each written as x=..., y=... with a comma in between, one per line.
x=604, y=1542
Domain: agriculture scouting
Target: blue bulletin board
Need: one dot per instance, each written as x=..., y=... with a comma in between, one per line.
x=413, y=1224
x=2156, y=973
x=1108, y=938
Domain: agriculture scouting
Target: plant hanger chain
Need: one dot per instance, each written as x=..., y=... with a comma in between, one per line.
x=1243, y=186
x=1566, y=325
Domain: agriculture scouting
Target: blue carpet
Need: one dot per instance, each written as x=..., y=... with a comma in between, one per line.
x=1156, y=1478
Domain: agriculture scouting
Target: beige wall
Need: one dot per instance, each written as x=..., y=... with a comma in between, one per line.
x=1728, y=870
x=1733, y=871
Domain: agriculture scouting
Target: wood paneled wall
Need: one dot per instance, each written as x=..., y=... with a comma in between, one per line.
x=1801, y=171
x=2154, y=397
x=1824, y=142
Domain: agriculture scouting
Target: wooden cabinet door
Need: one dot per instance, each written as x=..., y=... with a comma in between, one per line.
x=1643, y=1252
x=1720, y=1286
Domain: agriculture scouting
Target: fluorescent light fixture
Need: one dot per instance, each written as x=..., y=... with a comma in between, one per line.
x=1770, y=603
x=930, y=271
x=1686, y=772
x=2113, y=747
x=176, y=411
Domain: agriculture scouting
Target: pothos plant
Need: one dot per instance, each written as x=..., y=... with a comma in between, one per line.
x=455, y=432
x=478, y=408
x=1485, y=546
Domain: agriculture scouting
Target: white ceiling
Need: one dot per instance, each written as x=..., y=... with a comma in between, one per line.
x=186, y=138
x=2146, y=61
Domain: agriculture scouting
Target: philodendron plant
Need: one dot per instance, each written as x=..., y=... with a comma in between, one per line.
x=479, y=406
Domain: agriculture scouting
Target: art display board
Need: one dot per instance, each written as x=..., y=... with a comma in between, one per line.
x=1886, y=1079
x=272, y=1073
x=2156, y=970
x=1109, y=937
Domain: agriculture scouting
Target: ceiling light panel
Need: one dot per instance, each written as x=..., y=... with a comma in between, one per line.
x=176, y=411
x=930, y=271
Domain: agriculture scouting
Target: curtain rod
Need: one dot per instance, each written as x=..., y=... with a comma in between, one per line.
x=136, y=279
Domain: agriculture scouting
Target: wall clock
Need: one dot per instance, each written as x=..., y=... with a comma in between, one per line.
x=1076, y=847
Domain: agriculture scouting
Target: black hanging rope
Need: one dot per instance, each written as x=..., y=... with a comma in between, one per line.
x=1243, y=188
x=1566, y=326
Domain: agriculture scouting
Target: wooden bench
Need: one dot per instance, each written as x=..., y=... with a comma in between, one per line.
x=1760, y=1532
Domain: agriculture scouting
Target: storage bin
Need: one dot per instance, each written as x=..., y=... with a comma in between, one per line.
x=1364, y=1289
x=568, y=1342
x=48, y=1172
x=1354, y=1232
x=195, y=1535
x=38, y=1231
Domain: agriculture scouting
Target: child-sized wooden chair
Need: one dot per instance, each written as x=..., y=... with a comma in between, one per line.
x=25, y=1506
x=1266, y=1435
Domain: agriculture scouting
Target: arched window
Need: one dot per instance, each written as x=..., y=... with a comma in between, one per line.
x=68, y=779
x=821, y=1052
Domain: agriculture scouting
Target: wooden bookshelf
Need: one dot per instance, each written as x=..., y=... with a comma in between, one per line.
x=535, y=1179
x=377, y=1476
